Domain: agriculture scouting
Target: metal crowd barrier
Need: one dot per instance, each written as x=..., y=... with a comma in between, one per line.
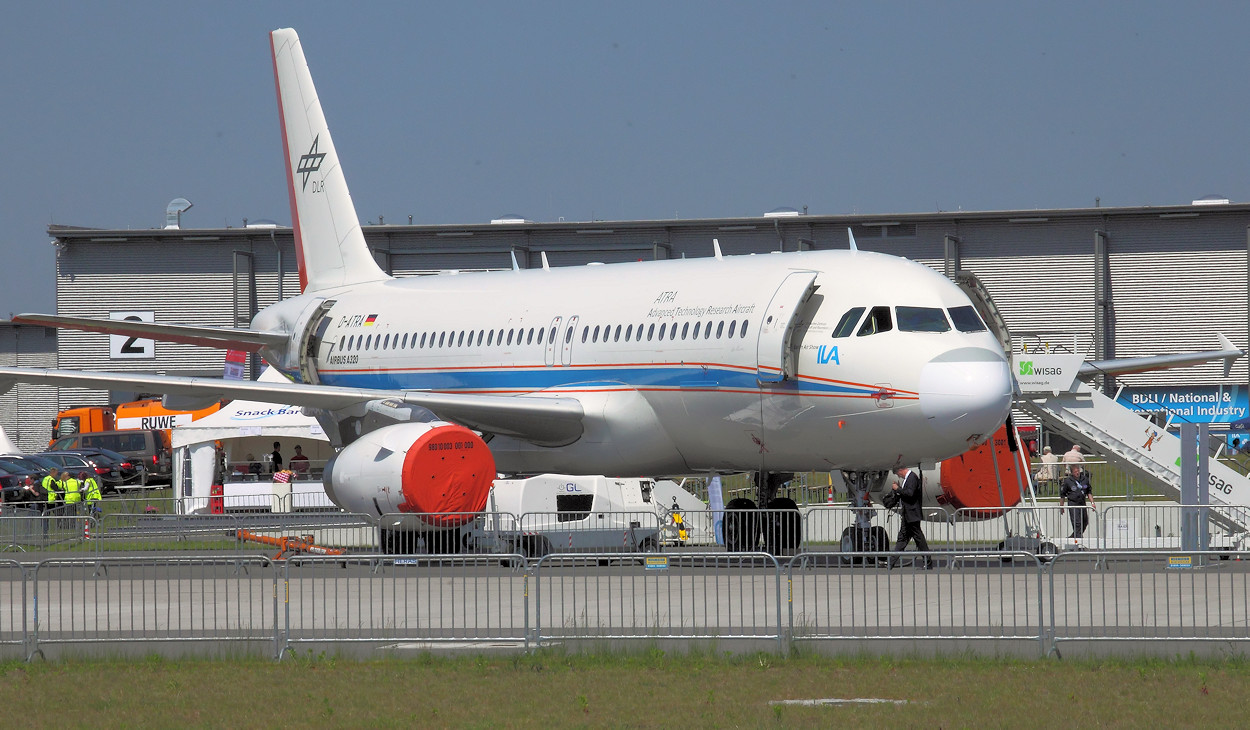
x=405, y=599
x=972, y=529
x=1119, y=596
x=14, y=598
x=642, y=596
x=224, y=599
x=543, y=533
x=59, y=532
x=254, y=602
x=892, y=596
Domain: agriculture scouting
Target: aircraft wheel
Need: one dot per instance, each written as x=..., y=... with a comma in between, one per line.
x=443, y=542
x=742, y=532
x=783, y=527
x=850, y=545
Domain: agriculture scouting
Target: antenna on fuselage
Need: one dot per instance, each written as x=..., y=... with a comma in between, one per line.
x=851, y=238
x=546, y=266
x=716, y=249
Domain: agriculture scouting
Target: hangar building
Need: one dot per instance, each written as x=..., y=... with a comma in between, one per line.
x=1106, y=281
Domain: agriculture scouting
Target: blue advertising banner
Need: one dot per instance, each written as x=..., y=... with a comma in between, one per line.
x=1193, y=404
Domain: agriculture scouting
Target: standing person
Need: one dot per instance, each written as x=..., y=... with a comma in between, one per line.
x=52, y=487
x=275, y=459
x=1049, y=474
x=299, y=462
x=1076, y=491
x=1074, y=455
x=71, y=489
x=910, y=495
x=91, y=492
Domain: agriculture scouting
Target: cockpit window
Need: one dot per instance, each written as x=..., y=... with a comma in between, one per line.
x=966, y=319
x=878, y=321
x=846, y=325
x=922, y=319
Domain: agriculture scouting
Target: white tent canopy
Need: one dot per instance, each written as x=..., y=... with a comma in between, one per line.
x=246, y=432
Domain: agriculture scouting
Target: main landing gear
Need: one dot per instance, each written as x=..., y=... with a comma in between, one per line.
x=778, y=528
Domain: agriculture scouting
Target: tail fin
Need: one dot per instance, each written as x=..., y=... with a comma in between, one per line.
x=329, y=245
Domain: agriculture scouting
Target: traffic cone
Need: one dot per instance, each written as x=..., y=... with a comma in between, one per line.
x=830, y=500
x=86, y=529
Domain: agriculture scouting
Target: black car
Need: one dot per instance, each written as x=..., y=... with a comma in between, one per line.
x=21, y=462
x=14, y=483
x=132, y=470
x=74, y=463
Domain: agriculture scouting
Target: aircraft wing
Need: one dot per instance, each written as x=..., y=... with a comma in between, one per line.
x=546, y=421
x=1124, y=365
x=220, y=337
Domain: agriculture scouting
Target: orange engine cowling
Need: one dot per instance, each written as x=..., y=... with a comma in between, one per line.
x=439, y=473
x=967, y=481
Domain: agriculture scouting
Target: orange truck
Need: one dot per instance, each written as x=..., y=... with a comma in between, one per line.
x=140, y=414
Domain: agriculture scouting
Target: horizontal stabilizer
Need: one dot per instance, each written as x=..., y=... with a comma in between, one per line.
x=536, y=419
x=220, y=337
x=1126, y=365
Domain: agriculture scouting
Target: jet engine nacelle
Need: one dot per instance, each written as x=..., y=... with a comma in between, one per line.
x=967, y=482
x=414, y=468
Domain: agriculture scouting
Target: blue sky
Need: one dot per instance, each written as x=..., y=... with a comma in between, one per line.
x=460, y=112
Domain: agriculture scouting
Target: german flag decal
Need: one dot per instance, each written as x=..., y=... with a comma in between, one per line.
x=370, y=320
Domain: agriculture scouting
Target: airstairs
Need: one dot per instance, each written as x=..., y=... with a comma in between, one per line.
x=1052, y=393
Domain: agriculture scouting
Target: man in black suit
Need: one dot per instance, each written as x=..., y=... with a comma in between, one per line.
x=910, y=495
x=1076, y=491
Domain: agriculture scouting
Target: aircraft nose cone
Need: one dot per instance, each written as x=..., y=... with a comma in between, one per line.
x=966, y=392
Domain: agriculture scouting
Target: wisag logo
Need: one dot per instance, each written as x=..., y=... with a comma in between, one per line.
x=1027, y=369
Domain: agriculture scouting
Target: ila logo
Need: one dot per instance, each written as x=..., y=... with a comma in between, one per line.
x=826, y=354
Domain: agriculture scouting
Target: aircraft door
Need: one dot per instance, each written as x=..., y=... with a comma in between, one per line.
x=317, y=326
x=774, y=357
x=549, y=357
x=566, y=343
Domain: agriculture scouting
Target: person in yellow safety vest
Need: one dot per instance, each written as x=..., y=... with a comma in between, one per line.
x=52, y=486
x=73, y=493
x=91, y=488
x=680, y=523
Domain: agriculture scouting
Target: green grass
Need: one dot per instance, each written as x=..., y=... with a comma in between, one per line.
x=642, y=689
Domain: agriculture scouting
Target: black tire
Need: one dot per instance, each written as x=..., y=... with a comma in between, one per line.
x=783, y=527
x=443, y=542
x=742, y=530
x=534, y=547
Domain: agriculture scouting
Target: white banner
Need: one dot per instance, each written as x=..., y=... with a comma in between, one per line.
x=125, y=347
x=716, y=503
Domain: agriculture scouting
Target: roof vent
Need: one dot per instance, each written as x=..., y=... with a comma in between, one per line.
x=1212, y=200
x=509, y=219
x=174, y=211
x=782, y=212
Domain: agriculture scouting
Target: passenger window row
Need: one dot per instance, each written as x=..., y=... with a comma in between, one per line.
x=908, y=319
x=610, y=333
x=540, y=335
x=453, y=338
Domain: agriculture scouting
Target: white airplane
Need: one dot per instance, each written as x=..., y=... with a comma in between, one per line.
x=428, y=386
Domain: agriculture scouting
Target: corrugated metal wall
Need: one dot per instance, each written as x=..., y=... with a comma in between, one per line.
x=26, y=410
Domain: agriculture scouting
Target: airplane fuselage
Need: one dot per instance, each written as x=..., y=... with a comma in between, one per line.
x=681, y=366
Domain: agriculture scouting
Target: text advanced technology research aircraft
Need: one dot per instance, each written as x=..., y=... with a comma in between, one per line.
x=430, y=385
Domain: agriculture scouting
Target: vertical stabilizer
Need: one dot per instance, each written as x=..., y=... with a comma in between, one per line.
x=329, y=244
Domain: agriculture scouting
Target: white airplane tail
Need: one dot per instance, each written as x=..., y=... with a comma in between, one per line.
x=329, y=244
